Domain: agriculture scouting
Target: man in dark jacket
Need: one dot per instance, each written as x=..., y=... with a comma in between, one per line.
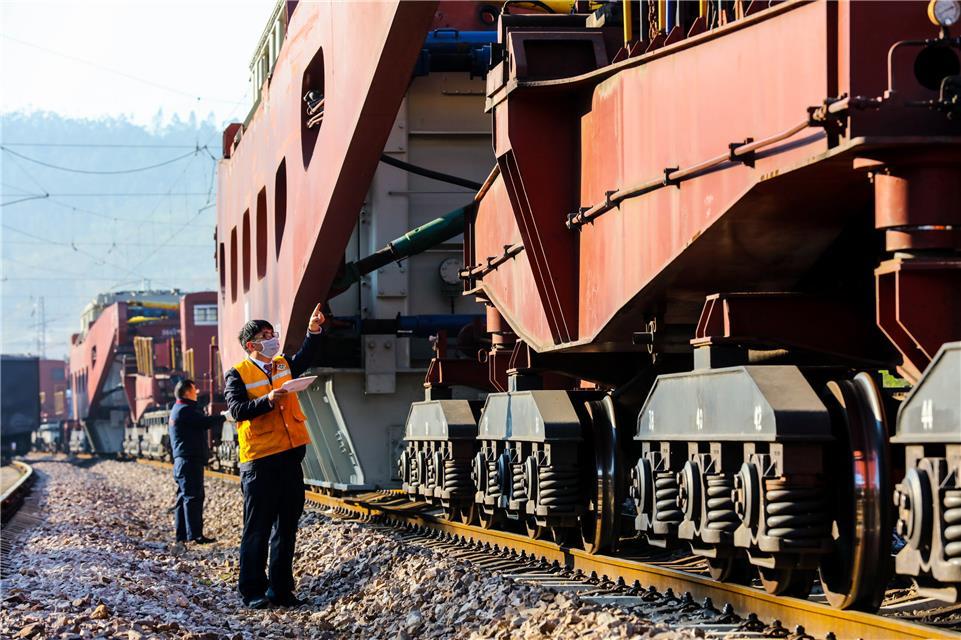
x=272, y=439
x=188, y=440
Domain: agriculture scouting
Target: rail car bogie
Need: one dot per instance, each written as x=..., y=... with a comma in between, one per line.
x=441, y=438
x=535, y=464
x=928, y=498
x=732, y=463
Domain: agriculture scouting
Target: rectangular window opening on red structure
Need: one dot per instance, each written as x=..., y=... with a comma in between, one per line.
x=245, y=250
x=223, y=268
x=233, y=264
x=261, y=233
x=280, y=205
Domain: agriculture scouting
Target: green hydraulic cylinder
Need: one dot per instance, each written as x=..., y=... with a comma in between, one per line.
x=415, y=241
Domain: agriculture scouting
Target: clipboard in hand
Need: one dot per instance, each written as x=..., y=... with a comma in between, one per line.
x=298, y=384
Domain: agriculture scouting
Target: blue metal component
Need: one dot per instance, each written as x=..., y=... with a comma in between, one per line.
x=453, y=50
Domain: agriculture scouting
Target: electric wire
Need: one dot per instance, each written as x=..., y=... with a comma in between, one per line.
x=71, y=245
x=99, y=145
x=27, y=199
x=98, y=172
x=131, y=194
x=120, y=243
x=124, y=74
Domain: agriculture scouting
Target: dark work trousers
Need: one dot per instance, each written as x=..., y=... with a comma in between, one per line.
x=273, y=503
x=189, y=512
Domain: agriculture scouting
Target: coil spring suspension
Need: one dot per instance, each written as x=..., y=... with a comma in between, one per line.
x=952, y=521
x=665, y=498
x=518, y=490
x=720, y=506
x=457, y=476
x=493, y=481
x=796, y=515
x=557, y=487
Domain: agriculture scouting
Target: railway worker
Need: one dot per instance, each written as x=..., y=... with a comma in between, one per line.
x=273, y=440
x=188, y=440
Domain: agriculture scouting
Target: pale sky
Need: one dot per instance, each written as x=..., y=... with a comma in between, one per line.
x=94, y=59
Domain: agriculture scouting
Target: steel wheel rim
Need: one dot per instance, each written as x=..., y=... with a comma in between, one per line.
x=468, y=513
x=598, y=528
x=787, y=582
x=734, y=569
x=855, y=574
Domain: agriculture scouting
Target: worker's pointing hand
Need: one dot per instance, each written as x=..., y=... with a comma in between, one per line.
x=317, y=319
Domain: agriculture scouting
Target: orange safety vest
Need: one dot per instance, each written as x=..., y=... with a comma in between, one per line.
x=280, y=429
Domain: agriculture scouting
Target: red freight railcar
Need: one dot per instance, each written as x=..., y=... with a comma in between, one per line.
x=132, y=349
x=719, y=253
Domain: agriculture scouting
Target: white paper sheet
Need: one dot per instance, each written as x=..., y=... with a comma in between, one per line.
x=298, y=384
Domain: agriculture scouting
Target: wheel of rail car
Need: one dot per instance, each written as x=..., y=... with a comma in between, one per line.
x=467, y=514
x=856, y=572
x=404, y=466
x=787, y=582
x=534, y=530
x=452, y=512
x=565, y=536
x=489, y=521
x=602, y=485
x=478, y=471
x=734, y=569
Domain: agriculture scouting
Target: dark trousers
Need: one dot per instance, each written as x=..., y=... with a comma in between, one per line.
x=273, y=491
x=189, y=511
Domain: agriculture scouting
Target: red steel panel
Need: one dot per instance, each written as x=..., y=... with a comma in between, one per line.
x=734, y=227
x=511, y=286
x=368, y=50
x=745, y=84
x=93, y=357
x=197, y=337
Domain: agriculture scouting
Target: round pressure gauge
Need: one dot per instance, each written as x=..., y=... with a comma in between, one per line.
x=449, y=271
x=944, y=13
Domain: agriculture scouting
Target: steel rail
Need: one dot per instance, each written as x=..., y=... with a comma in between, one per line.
x=817, y=619
x=11, y=499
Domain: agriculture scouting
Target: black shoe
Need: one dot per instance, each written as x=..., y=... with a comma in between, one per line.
x=289, y=600
x=259, y=602
x=203, y=540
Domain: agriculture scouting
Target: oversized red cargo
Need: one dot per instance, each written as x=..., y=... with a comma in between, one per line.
x=718, y=245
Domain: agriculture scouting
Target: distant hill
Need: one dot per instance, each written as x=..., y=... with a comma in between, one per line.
x=69, y=244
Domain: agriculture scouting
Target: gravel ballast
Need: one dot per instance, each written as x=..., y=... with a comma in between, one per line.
x=103, y=563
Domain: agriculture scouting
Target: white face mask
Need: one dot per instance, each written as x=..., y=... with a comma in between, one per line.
x=271, y=347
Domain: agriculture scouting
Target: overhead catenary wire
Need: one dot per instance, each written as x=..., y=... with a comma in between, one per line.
x=120, y=243
x=99, y=145
x=131, y=194
x=118, y=72
x=26, y=199
x=95, y=171
x=96, y=258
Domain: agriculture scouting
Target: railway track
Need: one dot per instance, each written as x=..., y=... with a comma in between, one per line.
x=18, y=512
x=15, y=489
x=665, y=584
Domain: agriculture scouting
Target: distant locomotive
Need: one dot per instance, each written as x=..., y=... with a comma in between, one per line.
x=718, y=257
